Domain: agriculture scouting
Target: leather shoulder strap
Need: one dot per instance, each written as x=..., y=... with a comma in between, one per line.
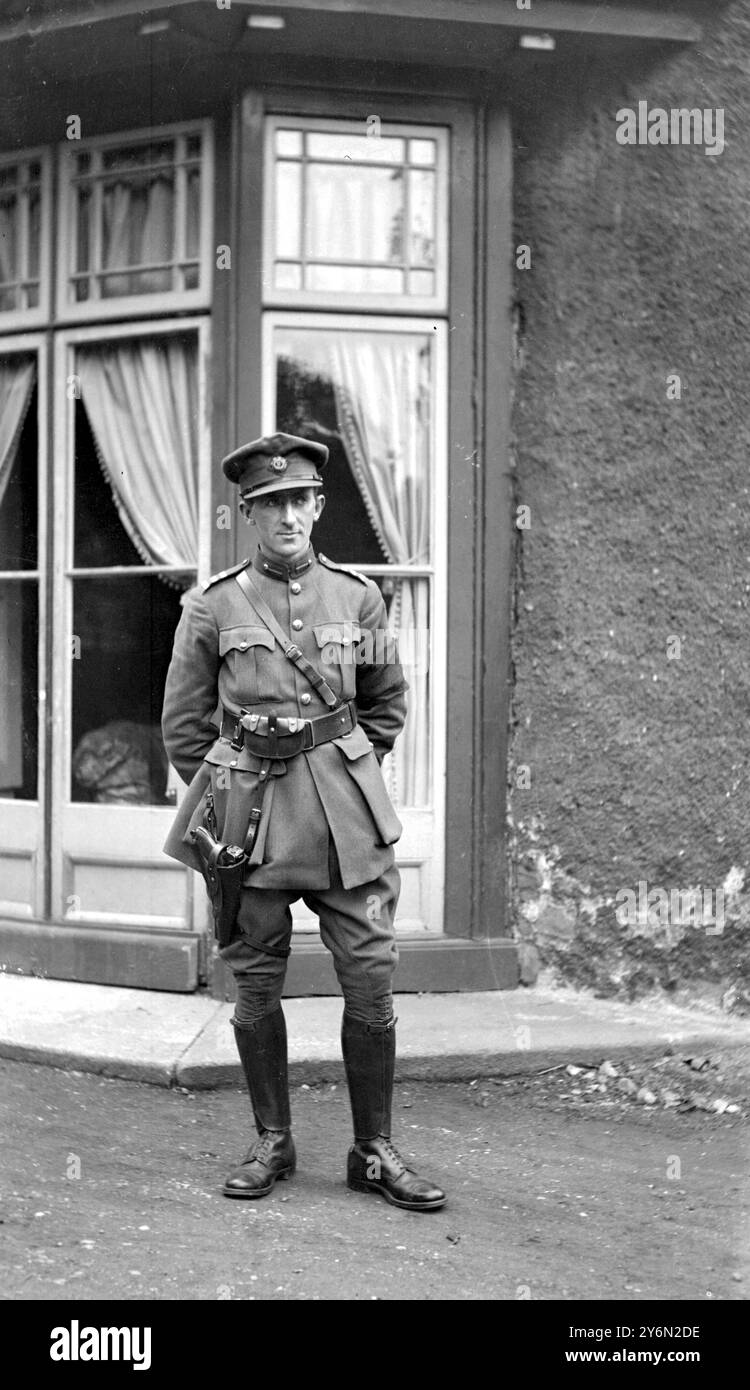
x=289, y=648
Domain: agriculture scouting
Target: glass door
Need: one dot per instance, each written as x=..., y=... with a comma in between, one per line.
x=355, y=334
x=132, y=531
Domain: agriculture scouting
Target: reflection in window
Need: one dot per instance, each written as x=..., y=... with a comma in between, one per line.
x=354, y=213
x=20, y=234
x=136, y=218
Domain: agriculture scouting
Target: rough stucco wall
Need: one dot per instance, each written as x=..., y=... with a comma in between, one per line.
x=640, y=523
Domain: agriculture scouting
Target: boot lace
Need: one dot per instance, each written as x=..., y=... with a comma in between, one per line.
x=393, y=1153
x=264, y=1147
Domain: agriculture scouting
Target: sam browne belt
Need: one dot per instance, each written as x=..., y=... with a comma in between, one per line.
x=285, y=736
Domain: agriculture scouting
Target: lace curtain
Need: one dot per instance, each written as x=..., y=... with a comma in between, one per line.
x=383, y=397
x=17, y=377
x=142, y=401
x=382, y=389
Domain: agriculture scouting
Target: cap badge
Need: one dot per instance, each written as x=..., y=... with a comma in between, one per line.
x=278, y=463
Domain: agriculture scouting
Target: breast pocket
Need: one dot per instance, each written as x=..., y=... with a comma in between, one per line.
x=337, y=643
x=253, y=665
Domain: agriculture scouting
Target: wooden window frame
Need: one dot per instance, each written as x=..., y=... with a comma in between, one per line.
x=365, y=302
x=436, y=570
x=133, y=305
x=63, y=570
x=11, y=319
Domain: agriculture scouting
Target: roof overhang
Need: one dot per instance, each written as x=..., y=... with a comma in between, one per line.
x=111, y=56
x=667, y=22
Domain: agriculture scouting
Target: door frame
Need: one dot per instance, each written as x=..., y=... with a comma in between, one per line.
x=477, y=950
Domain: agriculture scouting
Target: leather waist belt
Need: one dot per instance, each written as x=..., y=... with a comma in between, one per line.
x=270, y=736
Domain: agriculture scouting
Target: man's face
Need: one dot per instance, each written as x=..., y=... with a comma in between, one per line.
x=284, y=521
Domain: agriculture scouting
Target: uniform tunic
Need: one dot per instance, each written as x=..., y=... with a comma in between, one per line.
x=223, y=655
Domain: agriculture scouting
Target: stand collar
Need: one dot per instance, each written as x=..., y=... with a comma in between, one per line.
x=278, y=569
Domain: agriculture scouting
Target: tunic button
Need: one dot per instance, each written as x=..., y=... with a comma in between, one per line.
x=305, y=699
x=243, y=646
x=233, y=763
x=296, y=588
x=297, y=624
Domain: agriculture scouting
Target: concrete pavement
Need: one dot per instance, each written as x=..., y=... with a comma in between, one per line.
x=187, y=1040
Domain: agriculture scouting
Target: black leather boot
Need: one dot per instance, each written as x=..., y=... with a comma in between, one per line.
x=374, y=1164
x=263, y=1053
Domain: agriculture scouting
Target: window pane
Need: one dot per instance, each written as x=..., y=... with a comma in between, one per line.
x=421, y=282
x=8, y=243
x=99, y=538
x=355, y=214
x=83, y=232
x=138, y=156
x=422, y=151
x=123, y=630
x=35, y=213
x=355, y=149
x=407, y=771
x=193, y=230
x=126, y=208
x=353, y=280
x=19, y=689
x=368, y=397
x=18, y=507
x=288, y=277
x=137, y=227
x=136, y=452
x=288, y=211
x=422, y=228
x=289, y=142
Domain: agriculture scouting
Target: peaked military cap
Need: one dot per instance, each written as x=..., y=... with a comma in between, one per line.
x=274, y=463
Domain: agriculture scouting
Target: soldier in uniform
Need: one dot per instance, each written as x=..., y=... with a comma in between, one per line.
x=302, y=735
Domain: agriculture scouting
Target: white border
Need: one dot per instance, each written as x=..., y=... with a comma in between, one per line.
x=363, y=302
x=134, y=304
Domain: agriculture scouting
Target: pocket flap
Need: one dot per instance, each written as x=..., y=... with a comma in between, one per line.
x=344, y=633
x=241, y=638
x=355, y=744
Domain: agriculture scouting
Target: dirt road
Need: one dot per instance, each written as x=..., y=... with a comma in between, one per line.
x=112, y=1189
